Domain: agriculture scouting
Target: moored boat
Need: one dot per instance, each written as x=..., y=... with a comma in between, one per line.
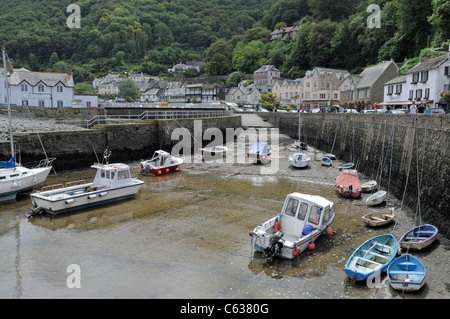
x=299, y=160
x=213, y=151
x=419, y=237
x=346, y=166
x=373, y=255
x=162, y=162
x=326, y=161
x=260, y=151
x=376, y=198
x=379, y=218
x=368, y=186
x=348, y=184
x=112, y=182
x=302, y=220
x=406, y=273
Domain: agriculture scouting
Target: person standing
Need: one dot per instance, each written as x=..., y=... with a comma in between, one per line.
x=428, y=111
x=421, y=108
x=413, y=108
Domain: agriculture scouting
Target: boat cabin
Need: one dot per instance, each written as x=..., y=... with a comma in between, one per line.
x=300, y=211
x=111, y=175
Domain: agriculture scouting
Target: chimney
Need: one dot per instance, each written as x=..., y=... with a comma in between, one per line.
x=424, y=58
x=69, y=70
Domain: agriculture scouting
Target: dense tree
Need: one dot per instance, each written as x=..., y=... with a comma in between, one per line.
x=128, y=90
x=218, y=58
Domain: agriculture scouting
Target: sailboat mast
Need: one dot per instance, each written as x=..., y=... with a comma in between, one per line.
x=5, y=70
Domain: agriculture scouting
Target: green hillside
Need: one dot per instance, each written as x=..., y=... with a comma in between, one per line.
x=230, y=35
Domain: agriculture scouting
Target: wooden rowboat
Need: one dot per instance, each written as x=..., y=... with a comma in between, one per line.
x=419, y=237
x=379, y=218
x=368, y=186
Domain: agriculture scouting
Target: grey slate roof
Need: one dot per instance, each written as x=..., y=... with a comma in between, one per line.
x=428, y=64
x=33, y=78
x=398, y=79
x=371, y=74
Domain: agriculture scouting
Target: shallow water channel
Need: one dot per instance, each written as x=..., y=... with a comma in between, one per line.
x=185, y=235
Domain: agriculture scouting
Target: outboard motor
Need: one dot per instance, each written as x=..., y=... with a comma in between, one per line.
x=275, y=245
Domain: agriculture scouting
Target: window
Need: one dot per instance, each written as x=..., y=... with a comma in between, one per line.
x=41, y=103
x=123, y=175
x=411, y=94
x=335, y=96
x=398, y=89
x=307, y=95
x=424, y=76
x=447, y=71
x=390, y=89
x=102, y=173
x=291, y=208
x=314, y=216
x=326, y=214
x=322, y=96
x=40, y=88
x=24, y=102
x=427, y=94
x=60, y=103
x=418, y=94
x=24, y=87
x=415, y=78
x=302, y=212
x=308, y=85
x=59, y=88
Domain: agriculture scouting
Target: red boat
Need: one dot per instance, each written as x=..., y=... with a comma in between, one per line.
x=161, y=162
x=348, y=184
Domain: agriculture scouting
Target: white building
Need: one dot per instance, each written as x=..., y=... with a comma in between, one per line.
x=264, y=78
x=85, y=100
x=421, y=84
x=43, y=89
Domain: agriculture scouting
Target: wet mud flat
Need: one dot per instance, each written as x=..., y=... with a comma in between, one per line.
x=185, y=235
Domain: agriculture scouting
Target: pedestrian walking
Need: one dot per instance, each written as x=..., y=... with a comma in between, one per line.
x=413, y=108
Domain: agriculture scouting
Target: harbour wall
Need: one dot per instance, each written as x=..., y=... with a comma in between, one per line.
x=409, y=155
x=128, y=142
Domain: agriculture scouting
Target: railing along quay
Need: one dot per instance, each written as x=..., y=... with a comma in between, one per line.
x=147, y=115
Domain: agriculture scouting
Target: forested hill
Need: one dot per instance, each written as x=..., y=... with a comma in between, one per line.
x=151, y=35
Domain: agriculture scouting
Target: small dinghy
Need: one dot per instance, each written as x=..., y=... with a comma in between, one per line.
x=379, y=218
x=331, y=156
x=326, y=161
x=406, y=273
x=260, y=151
x=213, y=151
x=368, y=186
x=376, y=199
x=346, y=166
x=373, y=255
x=419, y=237
x=299, y=160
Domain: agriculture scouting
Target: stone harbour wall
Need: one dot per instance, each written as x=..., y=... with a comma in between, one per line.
x=408, y=150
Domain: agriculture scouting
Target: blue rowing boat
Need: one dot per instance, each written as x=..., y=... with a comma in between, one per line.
x=406, y=273
x=326, y=161
x=373, y=255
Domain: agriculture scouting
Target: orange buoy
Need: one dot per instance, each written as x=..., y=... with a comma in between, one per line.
x=159, y=172
x=277, y=226
x=311, y=246
x=167, y=170
x=329, y=230
x=296, y=252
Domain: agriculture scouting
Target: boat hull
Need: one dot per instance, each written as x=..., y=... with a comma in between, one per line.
x=379, y=218
x=419, y=237
x=161, y=170
x=376, y=198
x=406, y=273
x=374, y=255
x=9, y=188
x=58, y=204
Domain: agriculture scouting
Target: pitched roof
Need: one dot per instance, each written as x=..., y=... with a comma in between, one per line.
x=398, y=79
x=371, y=74
x=33, y=78
x=429, y=64
x=266, y=68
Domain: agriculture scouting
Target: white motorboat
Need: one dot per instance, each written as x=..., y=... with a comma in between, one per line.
x=302, y=220
x=15, y=178
x=112, y=182
x=161, y=162
x=299, y=160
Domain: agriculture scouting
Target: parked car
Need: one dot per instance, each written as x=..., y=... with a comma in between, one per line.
x=368, y=111
x=398, y=111
x=351, y=111
x=437, y=110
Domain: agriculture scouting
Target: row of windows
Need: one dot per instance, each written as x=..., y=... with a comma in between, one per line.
x=418, y=94
x=314, y=215
x=40, y=88
x=59, y=103
x=322, y=96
